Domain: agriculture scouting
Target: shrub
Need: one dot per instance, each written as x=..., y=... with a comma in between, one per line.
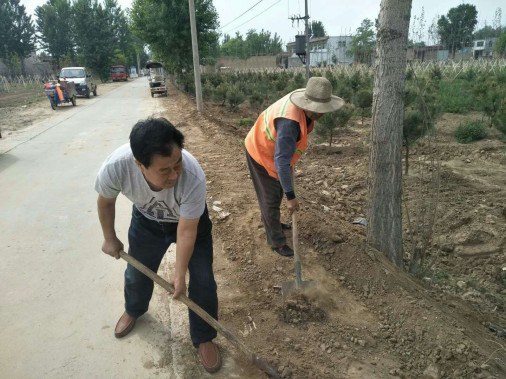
x=220, y=93
x=470, y=131
x=327, y=124
x=235, y=97
x=363, y=100
x=246, y=122
x=500, y=119
x=256, y=99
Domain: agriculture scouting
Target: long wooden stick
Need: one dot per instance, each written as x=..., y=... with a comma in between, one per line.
x=252, y=357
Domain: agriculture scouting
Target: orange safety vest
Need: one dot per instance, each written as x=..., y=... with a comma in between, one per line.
x=261, y=139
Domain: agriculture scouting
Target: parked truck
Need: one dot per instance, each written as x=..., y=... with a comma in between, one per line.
x=82, y=78
x=119, y=72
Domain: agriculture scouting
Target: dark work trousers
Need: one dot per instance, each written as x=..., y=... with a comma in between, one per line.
x=269, y=195
x=149, y=240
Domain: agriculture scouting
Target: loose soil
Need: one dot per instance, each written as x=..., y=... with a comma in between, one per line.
x=365, y=318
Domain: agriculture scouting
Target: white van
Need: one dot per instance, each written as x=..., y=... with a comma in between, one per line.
x=82, y=79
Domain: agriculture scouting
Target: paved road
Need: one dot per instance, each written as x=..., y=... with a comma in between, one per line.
x=60, y=296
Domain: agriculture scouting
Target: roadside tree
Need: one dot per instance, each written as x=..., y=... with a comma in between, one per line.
x=384, y=231
x=55, y=29
x=362, y=43
x=456, y=28
x=17, y=33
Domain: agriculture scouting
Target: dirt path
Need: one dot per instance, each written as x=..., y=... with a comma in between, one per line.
x=365, y=319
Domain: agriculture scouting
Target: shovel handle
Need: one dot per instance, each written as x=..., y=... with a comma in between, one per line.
x=295, y=234
x=253, y=358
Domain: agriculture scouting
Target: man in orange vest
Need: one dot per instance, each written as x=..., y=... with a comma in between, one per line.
x=275, y=143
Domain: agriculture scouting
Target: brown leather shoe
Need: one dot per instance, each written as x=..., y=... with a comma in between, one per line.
x=210, y=356
x=125, y=325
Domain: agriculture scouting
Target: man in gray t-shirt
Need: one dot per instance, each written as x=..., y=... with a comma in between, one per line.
x=168, y=190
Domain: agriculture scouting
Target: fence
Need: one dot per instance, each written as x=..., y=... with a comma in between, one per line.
x=17, y=83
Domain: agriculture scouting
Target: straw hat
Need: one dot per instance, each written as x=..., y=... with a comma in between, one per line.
x=316, y=97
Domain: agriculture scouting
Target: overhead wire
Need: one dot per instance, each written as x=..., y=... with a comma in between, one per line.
x=242, y=14
x=237, y=27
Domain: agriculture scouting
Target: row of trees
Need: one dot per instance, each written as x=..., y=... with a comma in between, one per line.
x=17, y=32
x=254, y=44
x=87, y=31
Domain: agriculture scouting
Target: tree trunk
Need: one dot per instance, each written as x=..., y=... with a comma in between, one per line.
x=407, y=160
x=384, y=231
x=330, y=138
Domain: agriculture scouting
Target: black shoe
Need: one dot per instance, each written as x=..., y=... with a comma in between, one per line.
x=285, y=251
x=286, y=226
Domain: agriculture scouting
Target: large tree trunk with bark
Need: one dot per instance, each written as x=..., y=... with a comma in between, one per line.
x=384, y=231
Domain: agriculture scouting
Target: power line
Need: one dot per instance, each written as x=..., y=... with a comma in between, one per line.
x=261, y=13
x=242, y=14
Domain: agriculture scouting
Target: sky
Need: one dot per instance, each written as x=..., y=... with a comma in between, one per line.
x=339, y=17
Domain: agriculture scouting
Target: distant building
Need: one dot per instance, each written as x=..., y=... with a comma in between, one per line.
x=484, y=48
x=329, y=50
x=437, y=53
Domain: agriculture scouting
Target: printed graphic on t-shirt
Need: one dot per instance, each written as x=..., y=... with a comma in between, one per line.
x=159, y=210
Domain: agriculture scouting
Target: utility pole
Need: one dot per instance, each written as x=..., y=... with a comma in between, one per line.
x=196, y=61
x=306, y=20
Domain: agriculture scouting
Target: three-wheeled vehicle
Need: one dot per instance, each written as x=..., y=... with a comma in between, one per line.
x=156, y=78
x=60, y=91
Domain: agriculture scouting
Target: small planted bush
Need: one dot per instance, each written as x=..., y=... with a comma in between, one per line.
x=220, y=93
x=235, y=97
x=256, y=100
x=470, y=131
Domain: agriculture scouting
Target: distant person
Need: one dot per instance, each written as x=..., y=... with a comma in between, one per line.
x=168, y=190
x=275, y=143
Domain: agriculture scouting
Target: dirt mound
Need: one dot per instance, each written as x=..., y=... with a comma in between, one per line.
x=299, y=309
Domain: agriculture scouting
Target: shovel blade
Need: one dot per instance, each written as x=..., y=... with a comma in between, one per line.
x=287, y=288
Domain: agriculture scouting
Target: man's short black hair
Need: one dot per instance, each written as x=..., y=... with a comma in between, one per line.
x=154, y=136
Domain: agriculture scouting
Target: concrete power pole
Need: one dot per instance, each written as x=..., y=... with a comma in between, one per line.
x=138, y=65
x=306, y=18
x=196, y=62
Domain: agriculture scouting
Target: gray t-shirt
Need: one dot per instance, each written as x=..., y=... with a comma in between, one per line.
x=187, y=198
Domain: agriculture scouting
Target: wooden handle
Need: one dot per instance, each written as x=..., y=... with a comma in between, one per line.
x=253, y=358
x=295, y=234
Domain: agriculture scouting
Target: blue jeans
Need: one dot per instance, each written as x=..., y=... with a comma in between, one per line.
x=149, y=240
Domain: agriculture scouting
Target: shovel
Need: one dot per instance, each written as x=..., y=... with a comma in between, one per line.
x=287, y=288
x=252, y=357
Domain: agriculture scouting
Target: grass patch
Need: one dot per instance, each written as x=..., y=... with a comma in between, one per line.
x=246, y=122
x=455, y=96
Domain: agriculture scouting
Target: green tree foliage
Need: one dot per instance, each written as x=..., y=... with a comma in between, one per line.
x=101, y=34
x=165, y=26
x=500, y=119
x=500, y=45
x=488, y=32
x=456, y=28
x=326, y=126
x=316, y=29
x=363, y=42
x=254, y=44
x=55, y=27
x=17, y=32
x=490, y=95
